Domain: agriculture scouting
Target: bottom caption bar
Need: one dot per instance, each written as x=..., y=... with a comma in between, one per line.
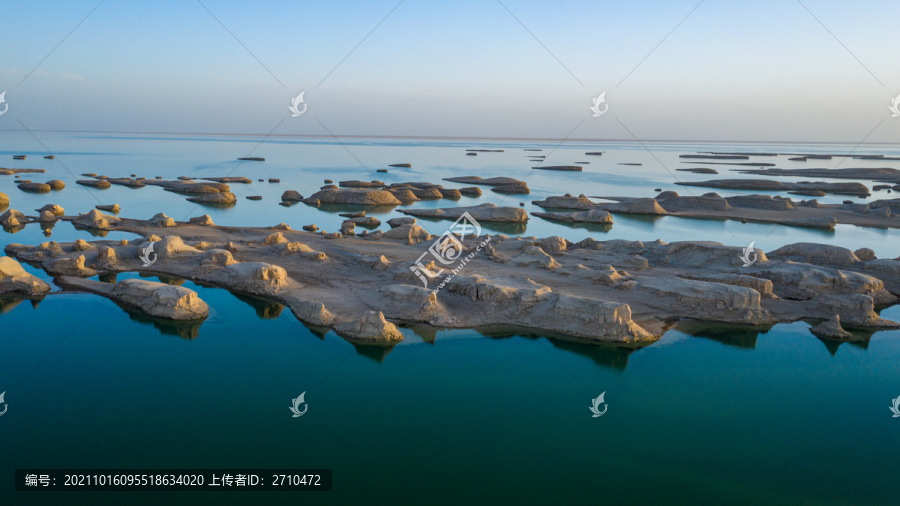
x=169, y=480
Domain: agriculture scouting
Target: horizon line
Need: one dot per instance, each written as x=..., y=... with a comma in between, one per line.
x=437, y=137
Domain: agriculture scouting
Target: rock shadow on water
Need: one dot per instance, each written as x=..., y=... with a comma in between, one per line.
x=315, y=330
x=93, y=231
x=108, y=277
x=426, y=332
x=832, y=345
x=265, y=309
x=861, y=338
x=188, y=330
x=14, y=230
x=8, y=302
x=169, y=280
x=216, y=205
x=603, y=354
x=376, y=353
x=729, y=334
x=47, y=227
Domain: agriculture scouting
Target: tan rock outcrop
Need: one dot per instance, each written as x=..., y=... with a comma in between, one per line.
x=370, y=328
x=96, y=220
x=15, y=279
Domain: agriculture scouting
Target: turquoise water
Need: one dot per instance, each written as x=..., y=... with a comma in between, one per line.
x=709, y=413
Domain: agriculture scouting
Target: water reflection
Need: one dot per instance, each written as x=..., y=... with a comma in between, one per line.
x=215, y=205
x=264, y=308
x=8, y=302
x=376, y=353
x=183, y=329
x=169, y=280
x=729, y=334
x=604, y=354
x=108, y=277
x=14, y=230
x=426, y=332
x=93, y=231
x=316, y=330
x=47, y=228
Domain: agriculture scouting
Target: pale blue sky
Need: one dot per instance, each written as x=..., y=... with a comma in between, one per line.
x=756, y=71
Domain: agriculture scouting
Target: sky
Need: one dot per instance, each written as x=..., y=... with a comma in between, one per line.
x=716, y=70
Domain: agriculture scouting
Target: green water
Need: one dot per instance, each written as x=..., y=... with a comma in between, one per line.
x=708, y=414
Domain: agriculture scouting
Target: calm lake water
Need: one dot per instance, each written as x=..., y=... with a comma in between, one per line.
x=709, y=413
